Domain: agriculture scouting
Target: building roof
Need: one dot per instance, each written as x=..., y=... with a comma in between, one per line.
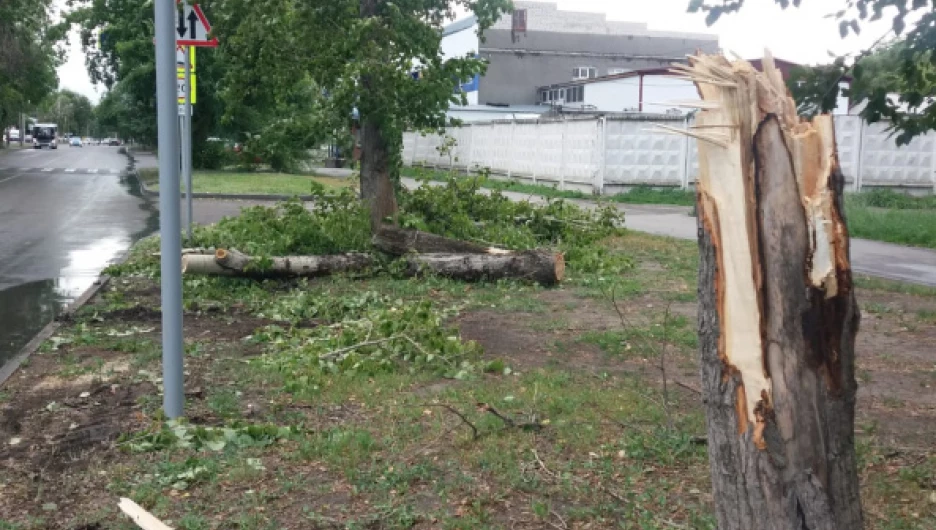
x=505, y=109
x=459, y=25
x=784, y=66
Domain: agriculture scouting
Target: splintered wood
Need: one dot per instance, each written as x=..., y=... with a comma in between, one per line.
x=777, y=312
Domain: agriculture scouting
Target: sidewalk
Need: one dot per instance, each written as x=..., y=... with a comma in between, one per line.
x=883, y=260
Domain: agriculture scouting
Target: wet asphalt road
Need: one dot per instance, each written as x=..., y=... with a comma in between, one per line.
x=65, y=214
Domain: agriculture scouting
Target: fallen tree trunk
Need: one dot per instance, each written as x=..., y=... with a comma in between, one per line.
x=398, y=241
x=233, y=263
x=777, y=311
x=540, y=266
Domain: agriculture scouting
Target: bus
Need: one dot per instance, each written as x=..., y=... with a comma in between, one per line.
x=45, y=135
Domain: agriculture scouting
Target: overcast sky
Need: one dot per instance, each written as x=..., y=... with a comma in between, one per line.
x=800, y=35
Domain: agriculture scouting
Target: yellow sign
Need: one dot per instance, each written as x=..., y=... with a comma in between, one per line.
x=180, y=88
x=180, y=59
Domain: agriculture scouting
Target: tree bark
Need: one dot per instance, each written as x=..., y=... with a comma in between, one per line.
x=539, y=266
x=376, y=189
x=233, y=263
x=399, y=241
x=777, y=312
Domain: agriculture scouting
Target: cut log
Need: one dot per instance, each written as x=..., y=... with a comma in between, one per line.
x=777, y=312
x=400, y=241
x=233, y=263
x=539, y=266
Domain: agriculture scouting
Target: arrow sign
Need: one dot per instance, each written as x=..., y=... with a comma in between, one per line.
x=181, y=27
x=193, y=27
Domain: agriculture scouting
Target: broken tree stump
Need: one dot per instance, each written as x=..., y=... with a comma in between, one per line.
x=777, y=311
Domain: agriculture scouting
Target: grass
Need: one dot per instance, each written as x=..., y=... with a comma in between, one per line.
x=256, y=183
x=586, y=444
x=915, y=227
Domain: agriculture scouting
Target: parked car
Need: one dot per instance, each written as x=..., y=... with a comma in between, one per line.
x=113, y=141
x=75, y=142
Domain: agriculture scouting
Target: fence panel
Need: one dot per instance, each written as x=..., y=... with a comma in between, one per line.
x=636, y=154
x=570, y=152
x=884, y=164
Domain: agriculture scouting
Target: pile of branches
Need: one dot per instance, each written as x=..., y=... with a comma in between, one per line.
x=451, y=230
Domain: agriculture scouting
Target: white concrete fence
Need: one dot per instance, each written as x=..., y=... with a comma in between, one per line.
x=608, y=155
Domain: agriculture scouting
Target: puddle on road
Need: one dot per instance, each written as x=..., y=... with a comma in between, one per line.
x=26, y=308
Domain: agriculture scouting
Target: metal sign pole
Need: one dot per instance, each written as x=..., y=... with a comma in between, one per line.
x=169, y=229
x=187, y=141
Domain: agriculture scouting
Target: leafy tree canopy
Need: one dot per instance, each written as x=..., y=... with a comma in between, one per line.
x=28, y=56
x=896, y=83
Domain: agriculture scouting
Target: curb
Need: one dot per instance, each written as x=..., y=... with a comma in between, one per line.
x=49, y=329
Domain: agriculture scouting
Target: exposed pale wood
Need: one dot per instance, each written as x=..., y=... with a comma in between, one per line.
x=141, y=517
x=231, y=259
x=777, y=314
x=399, y=241
x=717, y=139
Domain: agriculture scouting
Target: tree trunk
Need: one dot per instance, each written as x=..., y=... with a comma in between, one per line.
x=376, y=189
x=539, y=266
x=399, y=241
x=777, y=312
x=233, y=263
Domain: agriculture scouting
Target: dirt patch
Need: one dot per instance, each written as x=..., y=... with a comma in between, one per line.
x=896, y=370
x=56, y=428
x=136, y=313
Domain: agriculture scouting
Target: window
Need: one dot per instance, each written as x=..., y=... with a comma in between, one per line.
x=519, y=21
x=616, y=71
x=518, y=24
x=584, y=72
x=544, y=96
x=575, y=94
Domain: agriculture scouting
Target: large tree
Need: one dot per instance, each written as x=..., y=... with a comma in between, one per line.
x=72, y=112
x=379, y=58
x=28, y=56
x=117, y=37
x=908, y=98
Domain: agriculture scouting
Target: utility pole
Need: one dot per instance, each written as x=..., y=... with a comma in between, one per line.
x=169, y=229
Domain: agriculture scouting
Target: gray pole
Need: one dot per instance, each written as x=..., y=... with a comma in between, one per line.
x=187, y=141
x=169, y=229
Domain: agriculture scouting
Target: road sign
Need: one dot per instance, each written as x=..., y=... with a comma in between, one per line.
x=193, y=28
x=180, y=88
x=180, y=58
